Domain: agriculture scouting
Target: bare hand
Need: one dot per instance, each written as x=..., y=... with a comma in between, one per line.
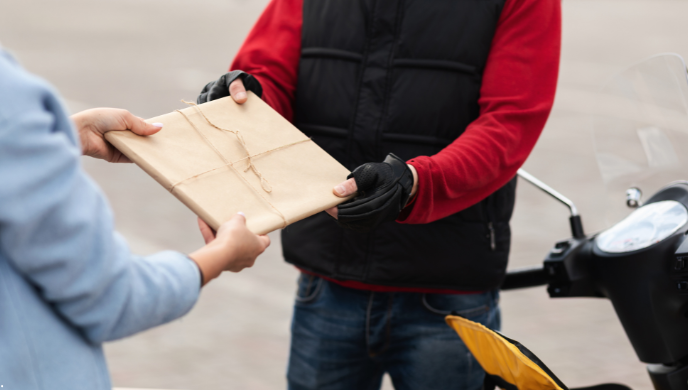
x=206, y=231
x=94, y=123
x=349, y=187
x=232, y=248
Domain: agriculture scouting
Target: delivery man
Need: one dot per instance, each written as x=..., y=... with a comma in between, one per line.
x=452, y=96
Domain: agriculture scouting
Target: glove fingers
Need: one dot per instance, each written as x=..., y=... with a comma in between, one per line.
x=365, y=177
x=202, y=98
x=363, y=216
x=369, y=205
x=383, y=189
x=218, y=91
x=371, y=175
x=207, y=87
x=220, y=88
x=252, y=84
x=370, y=217
x=224, y=81
x=362, y=205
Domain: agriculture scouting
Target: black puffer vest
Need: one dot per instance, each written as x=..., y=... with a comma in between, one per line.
x=402, y=77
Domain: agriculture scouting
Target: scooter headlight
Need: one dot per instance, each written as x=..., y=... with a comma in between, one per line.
x=644, y=227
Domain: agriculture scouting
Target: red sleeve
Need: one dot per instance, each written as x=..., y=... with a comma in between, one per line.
x=516, y=96
x=271, y=53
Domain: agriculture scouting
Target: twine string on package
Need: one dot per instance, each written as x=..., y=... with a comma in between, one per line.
x=221, y=157
x=263, y=181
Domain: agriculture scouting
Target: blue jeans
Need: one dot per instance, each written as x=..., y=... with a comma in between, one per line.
x=344, y=338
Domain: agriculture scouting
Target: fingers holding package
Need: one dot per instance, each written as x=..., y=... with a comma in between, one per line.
x=244, y=245
x=234, y=83
x=94, y=123
x=383, y=190
x=206, y=231
x=233, y=248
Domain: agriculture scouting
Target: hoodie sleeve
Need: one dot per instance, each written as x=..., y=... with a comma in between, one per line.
x=56, y=227
x=271, y=53
x=516, y=96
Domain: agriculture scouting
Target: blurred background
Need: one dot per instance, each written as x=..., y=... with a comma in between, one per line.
x=146, y=55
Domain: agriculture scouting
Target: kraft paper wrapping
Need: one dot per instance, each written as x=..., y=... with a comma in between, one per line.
x=207, y=169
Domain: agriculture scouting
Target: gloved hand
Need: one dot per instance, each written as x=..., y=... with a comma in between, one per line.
x=220, y=88
x=383, y=191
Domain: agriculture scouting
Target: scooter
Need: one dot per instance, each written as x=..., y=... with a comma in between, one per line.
x=640, y=263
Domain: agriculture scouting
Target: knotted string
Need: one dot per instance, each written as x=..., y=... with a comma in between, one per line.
x=237, y=161
x=263, y=181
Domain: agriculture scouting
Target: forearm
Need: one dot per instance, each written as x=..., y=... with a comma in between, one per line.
x=144, y=293
x=517, y=94
x=206, y=258
x=464, y=174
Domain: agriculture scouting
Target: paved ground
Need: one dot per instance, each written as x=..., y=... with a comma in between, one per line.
x=145, y=55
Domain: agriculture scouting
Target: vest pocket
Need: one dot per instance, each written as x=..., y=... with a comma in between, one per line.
x=491, y=236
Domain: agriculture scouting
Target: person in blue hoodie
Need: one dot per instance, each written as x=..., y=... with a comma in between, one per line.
x=68, y=281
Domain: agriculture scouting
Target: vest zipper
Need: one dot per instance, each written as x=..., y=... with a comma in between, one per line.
x=493, y=241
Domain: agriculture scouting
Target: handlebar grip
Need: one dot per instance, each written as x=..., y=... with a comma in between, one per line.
x=525, y=277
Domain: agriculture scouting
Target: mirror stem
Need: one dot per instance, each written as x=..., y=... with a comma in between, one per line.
x=575, y=219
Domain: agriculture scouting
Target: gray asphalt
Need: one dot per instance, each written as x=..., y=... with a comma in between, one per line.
x=146, y=55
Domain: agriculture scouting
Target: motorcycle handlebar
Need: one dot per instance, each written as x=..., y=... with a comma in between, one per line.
x=525, y=277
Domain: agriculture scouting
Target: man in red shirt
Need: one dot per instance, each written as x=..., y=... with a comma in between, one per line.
x=452, y=95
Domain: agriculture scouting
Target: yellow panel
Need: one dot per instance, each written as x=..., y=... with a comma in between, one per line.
x=499, y=357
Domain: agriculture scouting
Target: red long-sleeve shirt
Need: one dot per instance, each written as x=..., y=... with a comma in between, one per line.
x=516, y=96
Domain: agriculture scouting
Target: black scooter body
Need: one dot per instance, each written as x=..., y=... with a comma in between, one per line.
x=649, y=294
x=648, y=289
x=646, y=299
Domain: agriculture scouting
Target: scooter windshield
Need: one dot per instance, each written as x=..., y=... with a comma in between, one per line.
x=640, y=130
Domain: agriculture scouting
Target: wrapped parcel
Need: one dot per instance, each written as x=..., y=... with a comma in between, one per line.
x=220, y=158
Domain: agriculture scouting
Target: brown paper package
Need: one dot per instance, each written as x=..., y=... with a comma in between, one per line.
x=208, y=170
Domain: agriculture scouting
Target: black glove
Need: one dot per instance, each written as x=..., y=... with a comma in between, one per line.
x=383, y=191
x=220, y=88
